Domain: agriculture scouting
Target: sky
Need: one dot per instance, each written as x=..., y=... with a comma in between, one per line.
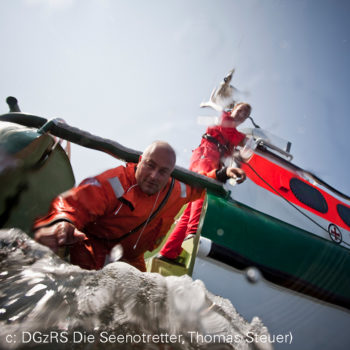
x=135, y=71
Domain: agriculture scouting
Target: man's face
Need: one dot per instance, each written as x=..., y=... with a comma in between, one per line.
x=240, y=114
x=154, y=170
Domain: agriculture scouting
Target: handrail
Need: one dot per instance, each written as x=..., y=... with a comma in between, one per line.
x=29, y=120
x=83, y=138
x=263, y=142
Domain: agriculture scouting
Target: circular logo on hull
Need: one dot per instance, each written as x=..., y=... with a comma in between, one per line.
x=335, y=233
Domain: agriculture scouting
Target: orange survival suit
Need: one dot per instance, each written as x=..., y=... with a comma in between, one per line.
x=108, y=206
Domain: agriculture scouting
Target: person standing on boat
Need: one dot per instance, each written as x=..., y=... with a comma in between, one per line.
x=117, y=207
x=217, y=143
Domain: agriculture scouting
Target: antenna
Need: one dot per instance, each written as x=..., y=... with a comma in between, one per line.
x=13, y=104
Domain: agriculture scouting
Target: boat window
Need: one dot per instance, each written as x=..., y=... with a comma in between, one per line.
x=308, y=195
x=344, y=213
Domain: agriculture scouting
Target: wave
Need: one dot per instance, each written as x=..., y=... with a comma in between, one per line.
x=48, y=303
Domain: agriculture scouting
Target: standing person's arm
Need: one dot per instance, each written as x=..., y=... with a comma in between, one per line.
x=225, y=173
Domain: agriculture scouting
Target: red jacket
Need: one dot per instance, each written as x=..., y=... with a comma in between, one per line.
x=206, y=157
x=109, y=205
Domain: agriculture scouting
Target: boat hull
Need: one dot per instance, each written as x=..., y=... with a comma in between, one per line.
x=285, y=254
x=296, y=282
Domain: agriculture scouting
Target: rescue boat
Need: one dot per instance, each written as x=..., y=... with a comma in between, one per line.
x=277, y=246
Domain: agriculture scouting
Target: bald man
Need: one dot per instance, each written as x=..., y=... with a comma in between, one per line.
x=132, y=205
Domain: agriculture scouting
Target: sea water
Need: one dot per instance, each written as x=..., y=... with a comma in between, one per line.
x=46, y=303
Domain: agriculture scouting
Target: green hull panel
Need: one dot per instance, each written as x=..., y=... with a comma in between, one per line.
x=279, y=248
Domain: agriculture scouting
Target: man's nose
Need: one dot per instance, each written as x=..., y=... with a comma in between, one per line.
x=154, y=174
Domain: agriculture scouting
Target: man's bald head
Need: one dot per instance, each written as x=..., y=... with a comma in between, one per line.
x=160, y=147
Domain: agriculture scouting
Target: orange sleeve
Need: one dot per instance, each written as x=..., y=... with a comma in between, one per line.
x=194, y=193
x=211, y=174
x=80, y=205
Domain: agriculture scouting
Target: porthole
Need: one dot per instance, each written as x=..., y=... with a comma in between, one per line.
x=344, y=213
x=308, y=195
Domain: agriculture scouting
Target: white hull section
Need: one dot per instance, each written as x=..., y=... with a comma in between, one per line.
x=311, y=324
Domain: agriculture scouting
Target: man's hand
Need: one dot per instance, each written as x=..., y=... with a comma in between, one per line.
x=58, y=235
x=236, y=173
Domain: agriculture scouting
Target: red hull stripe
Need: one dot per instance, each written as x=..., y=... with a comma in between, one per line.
x=279, y=178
